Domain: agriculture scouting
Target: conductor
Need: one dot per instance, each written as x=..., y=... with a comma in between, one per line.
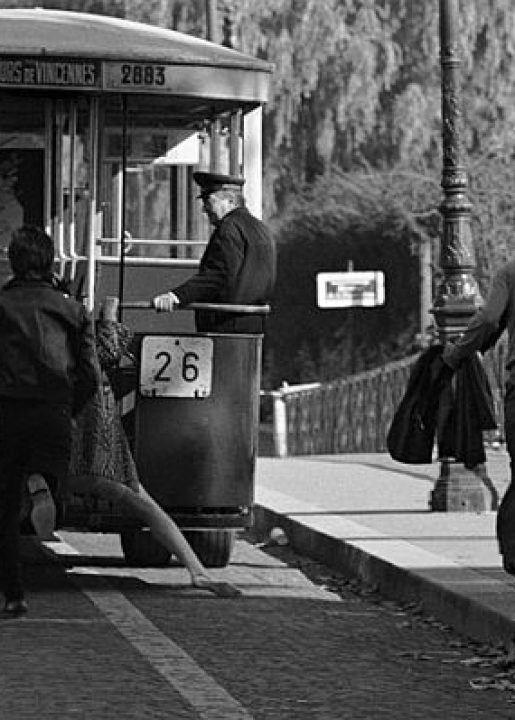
x=238, y=265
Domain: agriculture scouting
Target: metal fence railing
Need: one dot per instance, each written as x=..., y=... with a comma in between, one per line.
x=354, y=414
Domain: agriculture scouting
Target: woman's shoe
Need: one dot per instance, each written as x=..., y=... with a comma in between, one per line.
x=42, y=514
x=219, y=588
x=15, y=608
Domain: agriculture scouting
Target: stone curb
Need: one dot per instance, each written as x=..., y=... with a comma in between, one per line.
x=480, y=611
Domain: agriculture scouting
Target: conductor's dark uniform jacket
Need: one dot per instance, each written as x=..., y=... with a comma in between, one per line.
x=238, y=267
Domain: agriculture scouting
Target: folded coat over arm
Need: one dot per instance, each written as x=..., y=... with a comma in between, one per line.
x=456, y=413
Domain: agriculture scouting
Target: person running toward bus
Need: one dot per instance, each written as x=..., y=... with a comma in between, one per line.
x=102, y=462
x=238, y=265
x=48, y=371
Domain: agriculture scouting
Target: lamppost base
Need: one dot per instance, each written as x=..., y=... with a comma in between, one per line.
x=459, y=489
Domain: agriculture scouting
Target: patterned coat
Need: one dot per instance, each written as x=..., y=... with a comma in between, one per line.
x=99, y=445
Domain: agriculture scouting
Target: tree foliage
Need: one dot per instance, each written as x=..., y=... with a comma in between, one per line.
x=360, y=79
x=363, y=89
x=345, y=76
x=375, y=221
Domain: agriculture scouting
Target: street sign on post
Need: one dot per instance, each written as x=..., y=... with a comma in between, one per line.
x=350, y=289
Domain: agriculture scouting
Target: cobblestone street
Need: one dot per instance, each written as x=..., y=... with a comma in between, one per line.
x=106, y=641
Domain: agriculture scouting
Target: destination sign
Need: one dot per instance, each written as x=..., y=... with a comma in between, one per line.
x=27, y=72
x=129, y=77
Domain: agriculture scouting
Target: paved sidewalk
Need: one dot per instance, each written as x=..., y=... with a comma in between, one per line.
x=368, y=516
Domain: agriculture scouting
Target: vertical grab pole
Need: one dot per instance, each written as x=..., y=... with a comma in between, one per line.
x=235, y=144
x=72, y=131
x=92, y=203
x=49, y=160
x=121, y=275
x=59, y=182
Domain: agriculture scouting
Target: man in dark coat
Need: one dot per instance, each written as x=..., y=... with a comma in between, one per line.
x=238, y=265
x=484, y=329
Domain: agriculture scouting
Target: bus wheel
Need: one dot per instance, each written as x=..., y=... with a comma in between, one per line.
x=142, y=550
x=213, y=547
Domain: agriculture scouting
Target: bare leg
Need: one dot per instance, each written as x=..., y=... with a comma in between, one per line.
x=43, y=506
x=141, y=505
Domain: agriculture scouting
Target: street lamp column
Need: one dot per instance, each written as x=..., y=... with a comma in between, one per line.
x=458, y=297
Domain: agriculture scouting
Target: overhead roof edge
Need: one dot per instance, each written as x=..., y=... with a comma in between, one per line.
x=40, y=32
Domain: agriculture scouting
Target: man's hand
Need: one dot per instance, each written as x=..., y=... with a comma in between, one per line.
x=165, y=302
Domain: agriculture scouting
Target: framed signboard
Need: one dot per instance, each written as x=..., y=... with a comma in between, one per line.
x=350, y=289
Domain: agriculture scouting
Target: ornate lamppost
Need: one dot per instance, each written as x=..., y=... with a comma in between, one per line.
x=458, y=297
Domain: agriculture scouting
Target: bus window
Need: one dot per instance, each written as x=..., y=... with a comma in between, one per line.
x=163, y=216
x=72, y=194
x=22, y=157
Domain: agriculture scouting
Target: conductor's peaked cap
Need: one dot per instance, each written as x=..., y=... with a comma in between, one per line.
x=212, y=182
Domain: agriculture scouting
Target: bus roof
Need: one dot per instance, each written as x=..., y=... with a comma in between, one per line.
x=49, y=34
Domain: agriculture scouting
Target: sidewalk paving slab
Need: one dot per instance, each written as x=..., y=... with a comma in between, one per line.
x=368, y=517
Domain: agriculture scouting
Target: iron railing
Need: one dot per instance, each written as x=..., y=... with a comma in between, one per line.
x=353, y=414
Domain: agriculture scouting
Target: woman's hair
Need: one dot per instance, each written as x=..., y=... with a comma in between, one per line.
x=31, y=253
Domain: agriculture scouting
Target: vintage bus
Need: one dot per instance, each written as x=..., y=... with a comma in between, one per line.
x=103, y=122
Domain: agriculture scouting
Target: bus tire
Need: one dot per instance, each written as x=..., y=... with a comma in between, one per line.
x=141, y=549
x=213, y=547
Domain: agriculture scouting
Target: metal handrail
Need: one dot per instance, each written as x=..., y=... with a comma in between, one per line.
x=148, y=241
x=218, y=307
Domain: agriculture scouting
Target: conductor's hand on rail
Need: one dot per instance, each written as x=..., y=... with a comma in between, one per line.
x=165, y=302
